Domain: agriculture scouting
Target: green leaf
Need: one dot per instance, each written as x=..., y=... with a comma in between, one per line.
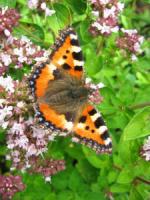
x=76, y=6
x=85, y=35
x=88, y=172
x=9, y=3
x=94, y=196
x=3, y=150
x=36, y=188
x=139, y=125
x=97, y=161
x=60, y=19
x=135, y=195
x=126, y=175
x=65, y=195
x=60, y=180
x=34, y=32
x=120, y=188
x=144, y=191
x=75, y=180
x=112, y=176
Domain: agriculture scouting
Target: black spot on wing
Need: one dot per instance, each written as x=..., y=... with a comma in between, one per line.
x=77, y=56
x=92, y=112
x=66, y=66
x=109, y=145
x=78, y=68
x=99, y=122
x=64, y=57
x=82, y=119
x=105, y=135
x=74, y=42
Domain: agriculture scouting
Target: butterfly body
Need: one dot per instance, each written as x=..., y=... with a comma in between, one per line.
x=62, y=96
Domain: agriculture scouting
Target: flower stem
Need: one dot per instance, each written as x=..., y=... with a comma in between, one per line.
x=138, y=106
x=136, y=178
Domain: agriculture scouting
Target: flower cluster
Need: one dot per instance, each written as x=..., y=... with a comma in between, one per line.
x=9, y=185
x=145, y=151
x=17, y=52
x=8, y=19
x=41, y=6
x=106, y=12
x=94, y=96
x=131, y=42
x=26, y=140
x=47, y=167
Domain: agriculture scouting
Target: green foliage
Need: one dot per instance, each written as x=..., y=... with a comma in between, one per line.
x=125, y=108
x=9, y=3
x=139, y=125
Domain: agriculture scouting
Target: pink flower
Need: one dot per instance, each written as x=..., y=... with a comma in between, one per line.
x=9, y=185
x=33, y=4
x=9, y=19
x=145, y=151
x=22, y=142
x=131, y=42
x=7, y=83
x=18, y=52
x=94, y=96
x=6, y=59
x=107, y=22
x=31, y=150
x=17, y=128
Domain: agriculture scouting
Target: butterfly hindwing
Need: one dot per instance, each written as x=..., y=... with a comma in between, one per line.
x=91, y=130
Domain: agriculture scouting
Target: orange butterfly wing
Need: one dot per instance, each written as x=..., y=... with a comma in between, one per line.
x=67, y=57
x=92, y=131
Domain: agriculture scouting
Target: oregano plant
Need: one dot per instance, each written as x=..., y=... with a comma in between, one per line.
x=37, y=163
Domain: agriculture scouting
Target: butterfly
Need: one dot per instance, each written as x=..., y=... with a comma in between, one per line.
x=61, y=96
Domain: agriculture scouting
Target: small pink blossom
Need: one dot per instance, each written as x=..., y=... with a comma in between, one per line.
x=9, y=185
x=131, y=42
x=18, y=52
x=31, y=150
x=7, y=83
x=17, y=128
x=41, y=6
x=33, y=4
x=20, y=104
x=145, y=151
x=107, y=19
x=22, y=142
x=94, y=96
x=9, y=19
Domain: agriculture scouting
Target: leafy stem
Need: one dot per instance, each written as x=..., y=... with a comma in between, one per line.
x=138, y=106
x=137, y=178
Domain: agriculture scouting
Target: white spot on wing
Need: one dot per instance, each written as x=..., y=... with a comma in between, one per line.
x=52, y=67
x=61, y=61
x=68, y=125
x=94, y=117
x=107, y=141
x=73, y=36
x=75, y=49
x=80, y=125
x=102, y=129
x=78, y=63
